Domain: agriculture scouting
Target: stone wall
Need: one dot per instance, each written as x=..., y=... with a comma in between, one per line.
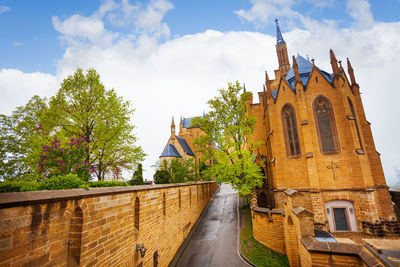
x=268, y=228
x=100, y=226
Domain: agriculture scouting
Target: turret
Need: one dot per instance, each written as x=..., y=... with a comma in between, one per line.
x=281, y=51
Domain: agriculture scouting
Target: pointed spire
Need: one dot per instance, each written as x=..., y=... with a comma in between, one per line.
x=351, y=72
x=172, y=127
x=334, y=63
x=244, y=87
x=296, y=70
x=279, y=37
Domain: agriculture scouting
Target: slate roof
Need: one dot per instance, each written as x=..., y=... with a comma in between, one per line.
x=185, y=146
x=305, y=67
x=186, y=122
x=170, y=151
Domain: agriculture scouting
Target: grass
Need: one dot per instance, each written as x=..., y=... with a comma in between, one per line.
x=254, y=251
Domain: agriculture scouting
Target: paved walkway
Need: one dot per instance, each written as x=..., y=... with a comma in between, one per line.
x=214, y=241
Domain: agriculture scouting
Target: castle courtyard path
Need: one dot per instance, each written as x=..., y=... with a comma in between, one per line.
x=214, y=242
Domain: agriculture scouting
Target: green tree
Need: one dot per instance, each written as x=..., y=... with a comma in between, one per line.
x=137, y=178
x=162, y=177
x=22, y=136
x=177, y=170
x=83, y=108
x=226, y=142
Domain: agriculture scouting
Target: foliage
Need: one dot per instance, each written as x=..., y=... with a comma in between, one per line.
x=254, y=251
x=162, y=177
x=69, y=181
x=176, y=170
x=21, y=139
x=18, y=186
x=137, y=178
x=107, y=183
x=57, y=159
x=58, y=182
x=83, y=108
x=226, y=142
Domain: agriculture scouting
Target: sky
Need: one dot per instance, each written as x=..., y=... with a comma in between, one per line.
x=169, y=57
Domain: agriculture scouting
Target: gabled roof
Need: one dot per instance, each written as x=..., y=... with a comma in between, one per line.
x=185, y=146
x=305, y=68
x=186, y=122
x=170, y=151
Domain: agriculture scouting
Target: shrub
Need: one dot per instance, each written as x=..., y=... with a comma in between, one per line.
x=18, y=186
x=68, y=181
x=107, y=183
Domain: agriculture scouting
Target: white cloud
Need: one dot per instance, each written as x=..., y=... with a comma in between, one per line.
x=17, y=43
x=265, y=11
x=360, y=11
x=4, y=9
x=17, y=87
x=178, y=76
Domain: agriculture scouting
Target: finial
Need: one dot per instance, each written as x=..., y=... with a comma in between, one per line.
x=244, y=87
x=296, y=70
x=276, y=21
x=340, y=63
x=312, y=60
x=351, y=72
x=335, y=68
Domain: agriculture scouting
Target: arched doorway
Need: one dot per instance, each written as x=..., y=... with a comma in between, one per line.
x=262, y=200
x=74, y=238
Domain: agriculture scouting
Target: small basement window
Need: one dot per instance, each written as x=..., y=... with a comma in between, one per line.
x=341, y=215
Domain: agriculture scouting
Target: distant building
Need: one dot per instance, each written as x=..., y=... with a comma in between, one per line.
x=176, y=147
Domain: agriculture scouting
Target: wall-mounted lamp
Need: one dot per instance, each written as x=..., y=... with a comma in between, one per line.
x=141, y=249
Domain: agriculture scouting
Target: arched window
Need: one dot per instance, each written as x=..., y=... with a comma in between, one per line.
x=137, y=212
x=326, y=126
x=353, y=114
x=179, y=195
x=75, y=237
x=190, y=197
x=164, y=205
x=289, y=126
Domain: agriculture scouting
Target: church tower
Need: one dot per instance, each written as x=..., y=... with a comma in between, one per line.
x=281, y=51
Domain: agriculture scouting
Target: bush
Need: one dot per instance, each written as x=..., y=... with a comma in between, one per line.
x=59, y=182
x=68, y=181
x=18, y=186
x=107, y=183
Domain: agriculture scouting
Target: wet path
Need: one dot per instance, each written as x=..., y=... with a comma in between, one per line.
x=214, y=242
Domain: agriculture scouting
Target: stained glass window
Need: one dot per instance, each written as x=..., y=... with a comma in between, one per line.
x=325, y=125
x=290, y=131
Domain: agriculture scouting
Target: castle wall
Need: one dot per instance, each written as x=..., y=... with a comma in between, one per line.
x=268, y=228
x=100, y=226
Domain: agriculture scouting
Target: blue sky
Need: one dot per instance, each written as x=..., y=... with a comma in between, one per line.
x=169, y=57
x=30, y=42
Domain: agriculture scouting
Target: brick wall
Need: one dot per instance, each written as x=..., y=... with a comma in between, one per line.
x=268, y=228
x=100, y=226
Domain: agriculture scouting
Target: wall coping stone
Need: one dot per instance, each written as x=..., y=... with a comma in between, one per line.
x=13, y=199
x=313, y=245
x=267, y=211
x=299, y=210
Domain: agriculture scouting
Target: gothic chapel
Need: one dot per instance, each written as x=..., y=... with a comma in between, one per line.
x=322, y=171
